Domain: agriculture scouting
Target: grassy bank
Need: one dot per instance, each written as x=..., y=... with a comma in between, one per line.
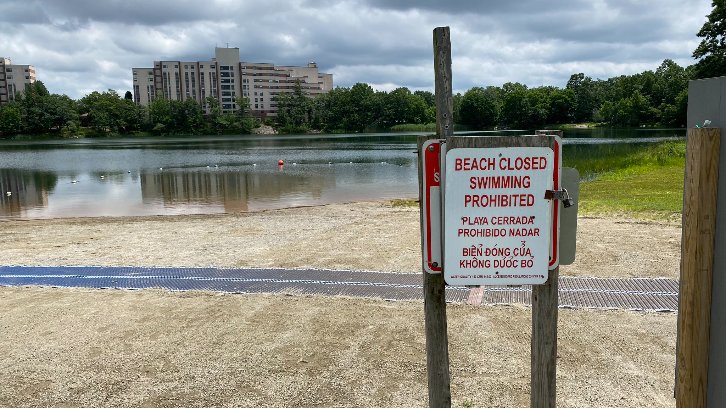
x=647, y=183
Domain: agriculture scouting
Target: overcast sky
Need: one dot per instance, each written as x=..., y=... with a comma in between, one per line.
x=78, y=46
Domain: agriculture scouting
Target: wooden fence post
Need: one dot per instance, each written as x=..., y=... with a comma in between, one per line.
x=437, y=341
x=697, y=255
x=544, y=334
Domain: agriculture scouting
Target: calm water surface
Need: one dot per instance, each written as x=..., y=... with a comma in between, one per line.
x=216, y=174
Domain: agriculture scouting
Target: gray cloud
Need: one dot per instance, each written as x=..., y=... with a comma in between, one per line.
x=79, y=46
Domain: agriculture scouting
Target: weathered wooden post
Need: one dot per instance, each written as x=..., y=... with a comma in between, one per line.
x=544, y=335
x=437, y=342
x=697, y=259
x=700, y=355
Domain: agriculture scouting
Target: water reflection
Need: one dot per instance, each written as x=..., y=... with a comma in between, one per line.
x=232, y=191
x=23, y=189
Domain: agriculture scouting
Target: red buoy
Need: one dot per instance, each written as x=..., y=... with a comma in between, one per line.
x=280, y=162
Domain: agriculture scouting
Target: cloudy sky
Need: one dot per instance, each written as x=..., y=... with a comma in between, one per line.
x=78, y=46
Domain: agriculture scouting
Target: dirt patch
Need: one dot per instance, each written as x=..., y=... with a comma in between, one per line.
x=359, y=236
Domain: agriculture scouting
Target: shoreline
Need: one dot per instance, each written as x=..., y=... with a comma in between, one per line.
x=370, y=236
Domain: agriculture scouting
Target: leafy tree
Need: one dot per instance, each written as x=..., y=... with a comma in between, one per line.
x=480, y=107
x=106, y=112
x=562, y=103
x=516, y=108
x=160, y=115
x=365, y=107
x=128, y=96
x=294, y=110
x=11, y=120
x=711, y=52
x=586, y=98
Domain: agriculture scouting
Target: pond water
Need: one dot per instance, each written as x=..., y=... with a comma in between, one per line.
x=216, y=174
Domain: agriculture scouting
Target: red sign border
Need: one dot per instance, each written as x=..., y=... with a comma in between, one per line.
x=431, y=164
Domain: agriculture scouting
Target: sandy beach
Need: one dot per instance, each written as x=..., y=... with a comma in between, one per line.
x=151, y=348
x=359, y=236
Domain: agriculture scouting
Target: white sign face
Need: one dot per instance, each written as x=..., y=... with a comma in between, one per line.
x=497, y=222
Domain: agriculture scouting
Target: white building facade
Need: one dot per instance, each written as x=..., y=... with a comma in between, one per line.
x=226, y=79
x=14, y=79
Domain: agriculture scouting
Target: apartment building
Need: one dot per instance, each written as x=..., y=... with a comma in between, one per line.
x=13, y=79
x=226, y=78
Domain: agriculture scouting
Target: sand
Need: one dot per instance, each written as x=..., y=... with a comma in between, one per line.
x=151, y=348
x=359, y=236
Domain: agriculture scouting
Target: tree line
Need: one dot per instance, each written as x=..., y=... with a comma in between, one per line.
x=650, y=98
x=38, y=112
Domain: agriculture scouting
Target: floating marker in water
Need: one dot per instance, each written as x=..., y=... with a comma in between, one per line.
x=9, y=193
x=103, y=177
x=74, y=181
x=129, y=172
x=280, y=162
x=254, y=164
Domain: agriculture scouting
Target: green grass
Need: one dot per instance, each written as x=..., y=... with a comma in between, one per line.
x=648, y=184
x=404, y=202
x=414, y=127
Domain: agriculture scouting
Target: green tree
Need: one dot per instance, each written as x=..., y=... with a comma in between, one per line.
x=294, y=110
x=11, y=120
x=480, y=107
x=562, y=103
x=586, y=98
x=711, y=52
x=160, y=116
x=106, y=112
x=516, y=108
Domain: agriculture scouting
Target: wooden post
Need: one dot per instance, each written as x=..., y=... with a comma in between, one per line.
x=544, y=334
x=697, y=255
x=437, y=341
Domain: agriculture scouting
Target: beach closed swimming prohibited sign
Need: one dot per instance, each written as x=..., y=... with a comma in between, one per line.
x=497, y=221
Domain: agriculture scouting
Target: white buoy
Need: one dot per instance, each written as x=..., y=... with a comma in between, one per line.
x=102, y=177
x=74, y=181
x=254, y=164
x=9, y=193
x=129, y=172
x=294, y=164
x=161, y=168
